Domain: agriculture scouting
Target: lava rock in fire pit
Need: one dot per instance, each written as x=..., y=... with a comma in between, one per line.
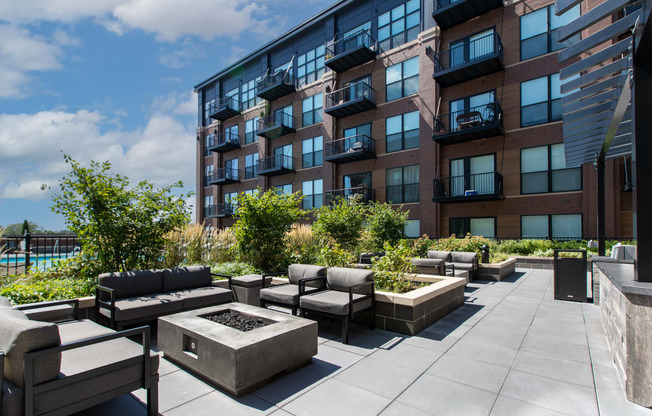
x=238, y=320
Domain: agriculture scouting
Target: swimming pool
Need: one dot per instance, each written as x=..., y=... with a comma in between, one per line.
x=39, y=262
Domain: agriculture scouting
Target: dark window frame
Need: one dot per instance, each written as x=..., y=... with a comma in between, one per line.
x=250, y=136
x=250, y=170
x=549, y=171
x=406, y=36
x=549, y=33
x=403, y=131
x=549, y=102
x=318, y=72
x=467, y=225
x=316, y=112
x=315, y=155
x=467, y=163
x=403, y=185
x=209, y=170
x=466, y=43
x=550, y=236
x=311, y=197
x=402, y=80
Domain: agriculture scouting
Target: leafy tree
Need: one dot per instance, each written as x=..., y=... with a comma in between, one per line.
x=342, y=222
x=385, y=224
x=263, y=219
x=120, y=226
x=18, y=229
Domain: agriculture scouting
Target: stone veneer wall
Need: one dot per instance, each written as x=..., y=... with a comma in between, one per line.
x=497, y=271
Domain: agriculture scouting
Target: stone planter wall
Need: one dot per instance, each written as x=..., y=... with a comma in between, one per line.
x=412, y=312
x=496, y=271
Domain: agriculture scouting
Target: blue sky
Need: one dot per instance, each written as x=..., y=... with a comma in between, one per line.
x=112, y=80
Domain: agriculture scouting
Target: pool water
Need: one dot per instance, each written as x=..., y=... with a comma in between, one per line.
x=40, y=262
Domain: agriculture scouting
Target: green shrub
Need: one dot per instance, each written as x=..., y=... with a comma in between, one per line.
x=23, y=291
x=234, y=269
x=302, y=245
x=390, y=269
x=342, y=222
x=333, y=255
x=469, y=244
x=385, y=224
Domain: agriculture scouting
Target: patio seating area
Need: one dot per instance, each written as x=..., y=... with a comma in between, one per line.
x=509, y=350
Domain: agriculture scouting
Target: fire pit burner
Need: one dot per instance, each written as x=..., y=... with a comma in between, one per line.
x=237, y=320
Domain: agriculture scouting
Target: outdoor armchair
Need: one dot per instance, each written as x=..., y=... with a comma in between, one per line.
x=303, y=279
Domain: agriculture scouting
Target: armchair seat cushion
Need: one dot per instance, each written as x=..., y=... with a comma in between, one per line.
x=202, y=296
x=144, y=306
x=250, y=280
x=285, y=294
x=463, y=266
x=333, y=302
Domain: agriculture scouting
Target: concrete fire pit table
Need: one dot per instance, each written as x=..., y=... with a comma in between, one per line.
x=237, y=361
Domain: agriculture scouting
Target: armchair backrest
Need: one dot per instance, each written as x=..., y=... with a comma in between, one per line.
x=297, y=272
x=129, y=284
x=465, y=257
x=342, y=278
x=186, y=278
x=442, y=255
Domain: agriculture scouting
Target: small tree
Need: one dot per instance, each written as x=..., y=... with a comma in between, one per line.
x=263, y=219
x=385, y=224
x=123, y=227
x=25, y=229
x=342, y=222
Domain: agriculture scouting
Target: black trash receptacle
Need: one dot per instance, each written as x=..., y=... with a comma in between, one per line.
x=570, y=276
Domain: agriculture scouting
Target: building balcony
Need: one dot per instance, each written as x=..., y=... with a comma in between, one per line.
x=223, y=142
x=275, y=165
x=276, y=85
x=350, y=100
x=225, y=176
x=350, y=51
x=276, y=125
x=467, y=188
x=224, y=108
x=449, y=13
x=358, y=195
x=221, y=210
x=469, y=60
x=350, y=149
x=465, y=125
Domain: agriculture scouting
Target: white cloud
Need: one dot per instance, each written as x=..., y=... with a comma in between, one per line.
x=183, y=56
x=68, y=11
x=64, y=39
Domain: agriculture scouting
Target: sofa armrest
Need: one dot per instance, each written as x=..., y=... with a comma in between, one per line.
x=302, y=285
x=266, y=275
x=110, y=305
x=72, y=302
x=451, y=267
x=365, y=297
x=30, y=389
x=226, y=276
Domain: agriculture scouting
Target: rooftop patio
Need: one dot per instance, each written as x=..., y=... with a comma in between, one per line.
x=510, y=350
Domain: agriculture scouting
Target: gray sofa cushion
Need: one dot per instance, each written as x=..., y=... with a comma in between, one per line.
x=14, y=313
x=463, y=266
x=443, y=255
x=144, y=307
x=463, y=257
x=341, y=278
x=250, y=280
x=50, y=313
x=4, y=303
x=332, y=301
x=200, y=297
x=428, y=262
x=129, y=284
x=181, y=278
x=19, y=336
x=305, y=271
x=286, y=294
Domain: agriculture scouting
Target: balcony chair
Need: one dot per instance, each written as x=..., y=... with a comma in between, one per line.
x=300, y=276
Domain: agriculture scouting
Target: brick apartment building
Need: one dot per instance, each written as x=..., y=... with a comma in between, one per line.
x=450, y=108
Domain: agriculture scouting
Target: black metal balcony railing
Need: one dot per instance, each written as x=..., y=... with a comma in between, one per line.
x=355, y=98
x=276, y=85
x=225, y=108
x=225, y=176
x=276, y=125
x=358, y=195
x=210, y=179
x=448, y=13
x=469, y=60
x=275, y=165
x=223, y=142
x=465, y=125
x=351, y=149
x=350, y=51
x=472, y=187
x=221, y=210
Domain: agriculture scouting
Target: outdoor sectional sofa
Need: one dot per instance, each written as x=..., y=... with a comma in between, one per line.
x=128, y=298
x=61, y=369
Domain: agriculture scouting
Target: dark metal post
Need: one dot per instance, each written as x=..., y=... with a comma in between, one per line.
x=28, y=248
x=485, y=253
x=601, y=207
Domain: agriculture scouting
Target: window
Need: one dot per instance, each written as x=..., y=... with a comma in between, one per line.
x=354, y=136
x=209, y=102
x=208, y=142
x=402, y=79
x=283, y=157
x=248, y=97
x=543, y=169
x=403, y=184
x=357, y=179
x=231, y=169
x=363, y=129
x=283, y=189
x=399, y=25
x=208, y=174
x=231, y=133
x=251, y=164
x=467, y=107
x=557, y=227
x=313, y=194
x=473, y=173
x=250, y=130
x=541, y=100
x=313, y=152
x=539, y=31
x=251, y=192
x=208, y=205
x=412, y=229
x=282, y=116
x=312, y=109
x=357, y=187
x=402, y=132
x=310, y=65
x=460, y=227
x=472, y=47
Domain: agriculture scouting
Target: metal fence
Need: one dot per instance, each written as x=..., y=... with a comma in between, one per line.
x=19, y=254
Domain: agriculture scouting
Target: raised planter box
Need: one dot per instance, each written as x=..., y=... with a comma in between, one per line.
x=496, y=272
x=410, y=313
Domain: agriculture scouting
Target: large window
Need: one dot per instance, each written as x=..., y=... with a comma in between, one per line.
x=412, y=229
x=286, y=161
x=248, y=96
x=539, y=31
x=312, y=110
x=250, y=130
x=473, y=173
x=465, y=112
x=556, y=227
x=208, y=202
x=251, y=164
x=402, y=132
x=543, y=169
x=284, y=189
x=313, y=152
x=208, y=142
x=472, y=47
x=541, y=100
x=208, y=173
x=310, y=65
x=231, y=133
x=231, y=169
x=403, y=184
x=460, y=227
x=209, y=102
x=399, y=25
x=313, y=194
x=402, y=79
